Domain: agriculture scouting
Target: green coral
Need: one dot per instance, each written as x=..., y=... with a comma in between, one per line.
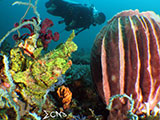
x=37, y=52
x=17, y=59
x=42, y=73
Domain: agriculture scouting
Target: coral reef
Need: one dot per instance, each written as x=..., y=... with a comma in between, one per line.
x=82, y=56
x=85, y=102
x=43, y=72
x=33, y=78
x=35, y=84
x=29, y=76
x=80, y=70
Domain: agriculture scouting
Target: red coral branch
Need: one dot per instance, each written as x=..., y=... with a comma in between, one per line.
x=45, y=35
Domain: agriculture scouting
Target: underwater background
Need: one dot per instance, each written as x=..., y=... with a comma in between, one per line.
x=10, y=14
x=58, y=71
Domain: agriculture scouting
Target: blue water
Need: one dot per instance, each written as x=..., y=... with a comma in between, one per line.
x=10, y=14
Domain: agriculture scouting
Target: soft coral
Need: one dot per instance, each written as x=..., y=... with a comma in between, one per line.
x=44, y=34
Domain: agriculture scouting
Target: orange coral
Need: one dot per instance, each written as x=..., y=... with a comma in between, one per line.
x=66, y=95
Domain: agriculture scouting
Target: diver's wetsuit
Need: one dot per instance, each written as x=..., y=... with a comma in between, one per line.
x=75, y=15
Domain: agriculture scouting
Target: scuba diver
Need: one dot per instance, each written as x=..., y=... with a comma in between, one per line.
x=75, y=16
